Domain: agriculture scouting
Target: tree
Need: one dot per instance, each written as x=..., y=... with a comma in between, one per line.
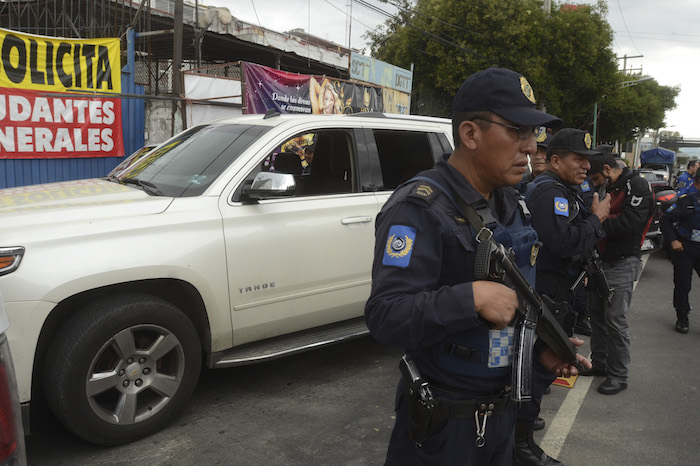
x=567, y=57
x=447, y=40
x=626, y=112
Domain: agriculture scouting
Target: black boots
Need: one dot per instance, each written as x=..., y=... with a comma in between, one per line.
x=682, y=322
x=583, y=326
x=527, y=452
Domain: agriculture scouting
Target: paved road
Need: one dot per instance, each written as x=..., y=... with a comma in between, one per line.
x=335, y=406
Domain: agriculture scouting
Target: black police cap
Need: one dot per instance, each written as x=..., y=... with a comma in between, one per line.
x=505, y=93
x=543, y=138
x=575, y=140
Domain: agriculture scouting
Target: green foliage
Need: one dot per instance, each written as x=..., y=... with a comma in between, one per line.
x=566, y=56
x=625, y=112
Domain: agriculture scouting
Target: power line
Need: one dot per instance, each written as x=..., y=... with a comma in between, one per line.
x=422, y=31
x=440, y=21
x=626, y=28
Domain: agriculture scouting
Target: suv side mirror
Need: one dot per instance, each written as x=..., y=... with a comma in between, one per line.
x=270, y=185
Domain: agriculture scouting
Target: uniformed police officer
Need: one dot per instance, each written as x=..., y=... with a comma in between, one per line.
x=425, y=296
x=538, y=160
x=680, y=225
x=567, y=228
x=684, y=184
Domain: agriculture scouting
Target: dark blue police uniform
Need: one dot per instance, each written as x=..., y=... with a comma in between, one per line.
x=422, y=300
x=681, y=222
x=566, y=228
x=585, y=191
x=684, y=184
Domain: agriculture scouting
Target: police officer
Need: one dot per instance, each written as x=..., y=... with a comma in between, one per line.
x=684, y=184
x=680, y=225
x=567, y=228
x=538, y=160
x=632, y=207
x=425, y=296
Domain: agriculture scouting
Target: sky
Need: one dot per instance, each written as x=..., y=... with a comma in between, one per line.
x=665, y=34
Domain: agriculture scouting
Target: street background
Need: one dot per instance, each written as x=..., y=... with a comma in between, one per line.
x=335, y=406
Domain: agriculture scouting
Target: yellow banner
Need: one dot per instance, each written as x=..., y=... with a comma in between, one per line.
x=56, y=64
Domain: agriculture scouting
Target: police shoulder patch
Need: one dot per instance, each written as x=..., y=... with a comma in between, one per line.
x=399, y=246
x=561, y=206
x=585, y=187
x=672, y=208
x=425, y=191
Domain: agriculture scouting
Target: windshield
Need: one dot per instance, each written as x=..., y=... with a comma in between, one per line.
x=187, y=164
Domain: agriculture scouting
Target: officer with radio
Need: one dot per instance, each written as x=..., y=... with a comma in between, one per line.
x=567, y=229
x=453, y=403
x=680, y=225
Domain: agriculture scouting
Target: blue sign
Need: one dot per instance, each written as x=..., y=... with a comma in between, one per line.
x=374, y=71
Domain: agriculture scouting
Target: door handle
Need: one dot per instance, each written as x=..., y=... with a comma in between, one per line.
x=351, y=220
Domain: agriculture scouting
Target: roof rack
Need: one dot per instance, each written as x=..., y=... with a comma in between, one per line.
x=369, y=114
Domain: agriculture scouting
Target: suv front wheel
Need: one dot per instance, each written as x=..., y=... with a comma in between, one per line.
x=121, y=368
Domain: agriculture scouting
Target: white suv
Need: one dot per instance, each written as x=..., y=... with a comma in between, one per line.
x=234, y=242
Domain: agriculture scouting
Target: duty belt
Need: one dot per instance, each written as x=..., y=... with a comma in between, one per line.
x=481, y=408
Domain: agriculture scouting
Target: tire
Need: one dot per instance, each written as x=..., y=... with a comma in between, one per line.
x=121, y=368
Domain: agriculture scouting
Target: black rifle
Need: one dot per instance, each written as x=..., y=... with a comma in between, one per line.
x=592, y=268
x=592, y=265
x=534, y=316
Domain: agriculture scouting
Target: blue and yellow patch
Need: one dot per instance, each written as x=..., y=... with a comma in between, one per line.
x=561, y=206
x=585, y=187
x=399, y=246
x=673, y=207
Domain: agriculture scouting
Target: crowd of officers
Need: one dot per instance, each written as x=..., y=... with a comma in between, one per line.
x=574, y=226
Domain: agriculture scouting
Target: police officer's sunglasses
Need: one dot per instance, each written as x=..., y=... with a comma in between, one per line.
x=524, y=132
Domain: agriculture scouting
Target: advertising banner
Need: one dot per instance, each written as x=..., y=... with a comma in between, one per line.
x=378, y=72
x=268, y=88
x=55, y=64
x=35, y=126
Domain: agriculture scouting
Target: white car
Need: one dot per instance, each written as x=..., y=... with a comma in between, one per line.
x=219, y=246
x=12, y=449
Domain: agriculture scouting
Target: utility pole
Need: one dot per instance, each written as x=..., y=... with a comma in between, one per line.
x=177, y=61
x=624, y=61
x=348, y=23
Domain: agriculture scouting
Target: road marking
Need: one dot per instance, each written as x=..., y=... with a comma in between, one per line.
x=558, y=430
x=566, y=415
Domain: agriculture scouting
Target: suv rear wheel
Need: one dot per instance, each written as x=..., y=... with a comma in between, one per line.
x=121, y=368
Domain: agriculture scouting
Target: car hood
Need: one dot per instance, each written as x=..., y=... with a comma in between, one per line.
x=74, y=200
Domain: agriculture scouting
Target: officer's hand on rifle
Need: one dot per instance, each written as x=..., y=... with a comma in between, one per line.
x=600, y=209
x=558, y=366
x=494, y=302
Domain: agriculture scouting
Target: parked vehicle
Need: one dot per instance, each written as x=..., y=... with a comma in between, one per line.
x=665, y=196
x=218, y=246
x=12, y=449
x=660, y=161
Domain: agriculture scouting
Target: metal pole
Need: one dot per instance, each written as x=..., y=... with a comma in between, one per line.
x=595, y=123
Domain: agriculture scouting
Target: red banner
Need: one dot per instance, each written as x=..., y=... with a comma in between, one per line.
x=34, y=126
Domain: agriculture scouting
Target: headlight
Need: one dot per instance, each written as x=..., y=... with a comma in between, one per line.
x=10, y=259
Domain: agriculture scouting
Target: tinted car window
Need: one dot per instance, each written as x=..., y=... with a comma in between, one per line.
x=186, y=165
x=402, y=154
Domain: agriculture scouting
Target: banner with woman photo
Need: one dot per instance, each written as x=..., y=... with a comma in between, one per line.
x=267, y=88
